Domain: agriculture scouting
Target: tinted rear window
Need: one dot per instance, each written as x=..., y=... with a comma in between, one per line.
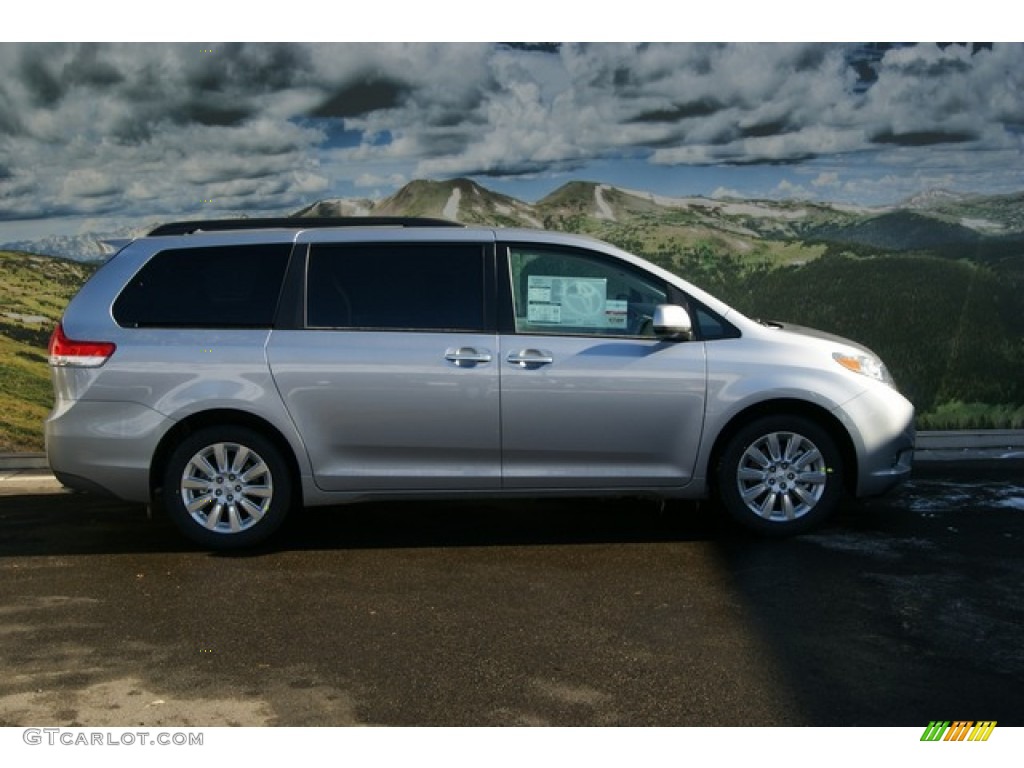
x=221, y=287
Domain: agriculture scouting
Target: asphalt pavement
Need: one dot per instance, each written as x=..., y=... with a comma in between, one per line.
x=905, y=609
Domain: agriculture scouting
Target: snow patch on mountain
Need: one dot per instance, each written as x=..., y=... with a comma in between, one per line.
x=727, y=207
x=984, y=226
x=604, y=210
x=932, y=198
x=667, y=202
x=451, y=208
x=94, y=246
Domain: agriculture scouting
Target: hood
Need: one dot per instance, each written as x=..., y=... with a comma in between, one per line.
x=814, y=333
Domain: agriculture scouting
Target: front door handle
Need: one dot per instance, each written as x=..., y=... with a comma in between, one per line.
x=466, y=357
x=530, y=358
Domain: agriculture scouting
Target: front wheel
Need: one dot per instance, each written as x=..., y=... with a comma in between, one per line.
x=780, y=475
x=226, y=487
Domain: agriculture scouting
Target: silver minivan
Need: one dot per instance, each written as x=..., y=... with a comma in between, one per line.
x=231, y=371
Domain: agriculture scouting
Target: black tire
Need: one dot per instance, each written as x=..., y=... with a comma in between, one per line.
x=227, y=487
x=780, y=475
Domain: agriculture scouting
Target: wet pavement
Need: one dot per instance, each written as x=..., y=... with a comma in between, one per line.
x=906, y=609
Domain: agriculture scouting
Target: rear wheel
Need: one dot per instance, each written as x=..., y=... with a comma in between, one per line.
x=227, y=487
x=781, y=475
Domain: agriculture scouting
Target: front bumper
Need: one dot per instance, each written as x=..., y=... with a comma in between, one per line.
x=881, y=424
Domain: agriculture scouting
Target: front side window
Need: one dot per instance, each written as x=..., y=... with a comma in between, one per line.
x=423, y=287
x=568, y=292
x=235, y=286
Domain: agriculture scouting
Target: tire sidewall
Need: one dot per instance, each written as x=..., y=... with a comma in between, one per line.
x=174, y=505
x=726, y=475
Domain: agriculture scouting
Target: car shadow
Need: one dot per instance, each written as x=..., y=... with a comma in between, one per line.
x=72, y=523
x=497, y=523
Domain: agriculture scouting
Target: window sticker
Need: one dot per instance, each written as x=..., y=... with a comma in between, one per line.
x=578, y=302
x=539, y=294
x=544, y=314
x=615, y=313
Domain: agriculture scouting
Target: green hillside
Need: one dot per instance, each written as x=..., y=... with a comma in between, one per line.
x=33, y=293
x=898, y=231
x=947, y=329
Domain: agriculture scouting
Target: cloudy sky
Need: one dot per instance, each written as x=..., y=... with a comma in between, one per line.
x=93, y=136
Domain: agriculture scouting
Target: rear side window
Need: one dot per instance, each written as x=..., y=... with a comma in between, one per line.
x=221, y=287
x=420, y=287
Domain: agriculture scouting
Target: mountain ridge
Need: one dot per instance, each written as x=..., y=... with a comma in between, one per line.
x=936, y=218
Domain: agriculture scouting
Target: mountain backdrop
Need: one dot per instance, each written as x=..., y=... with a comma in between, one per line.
x=934, y=285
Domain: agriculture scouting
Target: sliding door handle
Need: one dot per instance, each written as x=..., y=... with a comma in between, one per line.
x=530, y=358
x=466, y=357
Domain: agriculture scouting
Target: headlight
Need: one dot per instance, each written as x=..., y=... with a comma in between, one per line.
x=866, y=365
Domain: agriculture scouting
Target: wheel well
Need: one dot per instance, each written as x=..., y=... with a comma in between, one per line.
x=215, y=418
x=815, y=413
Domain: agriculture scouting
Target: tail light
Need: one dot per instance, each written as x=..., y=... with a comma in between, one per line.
x=70, y=353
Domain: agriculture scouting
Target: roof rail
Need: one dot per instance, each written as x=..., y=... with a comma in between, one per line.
x=295, y=222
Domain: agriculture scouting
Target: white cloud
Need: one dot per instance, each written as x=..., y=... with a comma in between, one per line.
x=393, y=180
x=88, y=182
x=159, y=128
x=825, y=179
x=724, y=193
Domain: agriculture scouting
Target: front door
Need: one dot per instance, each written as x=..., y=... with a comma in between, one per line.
x=590, y=397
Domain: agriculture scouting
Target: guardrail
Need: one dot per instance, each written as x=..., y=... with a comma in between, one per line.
x=984, y=438
x=957, y=445
x=18, y=461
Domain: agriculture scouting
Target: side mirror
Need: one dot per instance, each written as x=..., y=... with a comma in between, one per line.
x=672, y=322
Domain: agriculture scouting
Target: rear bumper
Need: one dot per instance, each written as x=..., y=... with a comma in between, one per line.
x=105, y=446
